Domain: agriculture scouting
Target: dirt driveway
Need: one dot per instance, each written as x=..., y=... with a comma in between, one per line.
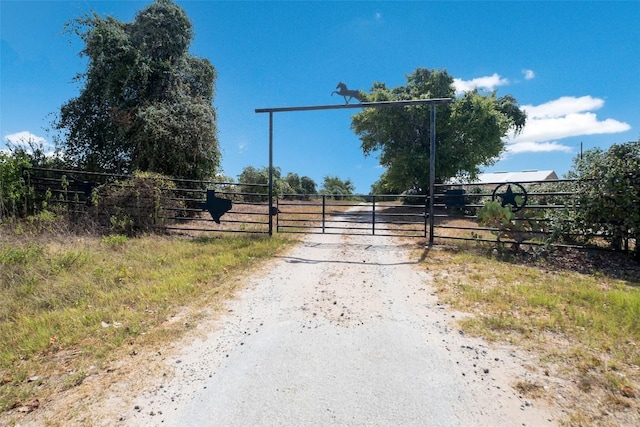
x=341, y=330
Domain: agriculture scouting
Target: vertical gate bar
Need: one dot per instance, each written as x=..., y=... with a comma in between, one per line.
x=323, y=212
x=270, y=173
x=373, y=216
x=278, y=216
x=432, y=169
x=426, y=209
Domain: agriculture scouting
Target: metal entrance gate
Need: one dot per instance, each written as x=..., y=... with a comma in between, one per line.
x=384, y=104
x=380, y=215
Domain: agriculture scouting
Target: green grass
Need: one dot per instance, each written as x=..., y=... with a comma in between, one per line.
x=63, y=299
x=589, y=325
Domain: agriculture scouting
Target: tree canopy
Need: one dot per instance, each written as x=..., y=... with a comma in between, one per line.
x=146, y=103
x=469, y=131
x=336, y=187
x=292, y=183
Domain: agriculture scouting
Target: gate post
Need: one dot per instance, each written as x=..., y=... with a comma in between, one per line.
x=270, y=210
x=432, y=169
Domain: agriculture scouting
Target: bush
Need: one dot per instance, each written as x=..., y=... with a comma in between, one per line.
x=13, y=191
x=609, y=194
x=516, y=227
x=140, y=204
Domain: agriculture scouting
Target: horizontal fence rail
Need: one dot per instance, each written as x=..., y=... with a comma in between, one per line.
x=381, y=215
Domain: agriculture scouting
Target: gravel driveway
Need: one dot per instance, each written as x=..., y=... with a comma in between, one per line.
x=340, y=330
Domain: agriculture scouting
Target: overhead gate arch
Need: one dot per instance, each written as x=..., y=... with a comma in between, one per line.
x=384, y=104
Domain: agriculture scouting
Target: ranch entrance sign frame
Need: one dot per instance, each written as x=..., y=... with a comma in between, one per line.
x=384, y=104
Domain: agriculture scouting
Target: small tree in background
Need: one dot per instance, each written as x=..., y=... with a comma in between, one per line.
x=290, y=184
x=300, y=186
x=337, y=188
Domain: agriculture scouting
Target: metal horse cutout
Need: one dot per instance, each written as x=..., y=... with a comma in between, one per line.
x=348, y=94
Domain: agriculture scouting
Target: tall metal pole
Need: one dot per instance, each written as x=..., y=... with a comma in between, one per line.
x=270, y=173
x=432, y=169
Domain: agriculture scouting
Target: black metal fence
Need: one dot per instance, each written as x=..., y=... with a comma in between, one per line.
x=186, y=206
x=544, y=213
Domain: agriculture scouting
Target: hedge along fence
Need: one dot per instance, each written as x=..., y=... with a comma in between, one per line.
x=140, y=203
x=558, y=212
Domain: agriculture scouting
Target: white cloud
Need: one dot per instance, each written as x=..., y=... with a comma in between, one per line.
x=536, y=147
x=564, y=117
x=563, y=106
x=486, y=82
x=528, y=74
x=24, y=137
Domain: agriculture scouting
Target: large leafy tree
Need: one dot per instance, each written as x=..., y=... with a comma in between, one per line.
x=469, y=131
x=146, y=103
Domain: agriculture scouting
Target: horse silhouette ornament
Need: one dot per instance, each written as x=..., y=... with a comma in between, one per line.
x=348, y=94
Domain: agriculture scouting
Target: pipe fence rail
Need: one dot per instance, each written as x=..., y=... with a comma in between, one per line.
x=380, y=215
x=547, y=219
x=200, y=207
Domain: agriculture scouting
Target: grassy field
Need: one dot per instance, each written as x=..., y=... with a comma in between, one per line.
x=585, y=327
x=68, y=303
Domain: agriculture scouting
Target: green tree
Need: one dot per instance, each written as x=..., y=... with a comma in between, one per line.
x=307, y=185
x=16, y=196
x=469, y=131
x=609, y=192
x=146, y=103
x=336, y=187
x=300, y=185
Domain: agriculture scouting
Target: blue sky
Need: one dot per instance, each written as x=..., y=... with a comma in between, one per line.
x=574, y=66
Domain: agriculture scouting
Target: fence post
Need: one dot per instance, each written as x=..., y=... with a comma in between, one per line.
x=426, y=215
x=270, y=174
x=432, y=169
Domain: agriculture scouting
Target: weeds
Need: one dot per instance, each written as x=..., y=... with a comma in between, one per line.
x=82, y=299
x=587, y=325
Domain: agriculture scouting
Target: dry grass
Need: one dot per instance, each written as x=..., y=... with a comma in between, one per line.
x=584, y=327
x=69, y=303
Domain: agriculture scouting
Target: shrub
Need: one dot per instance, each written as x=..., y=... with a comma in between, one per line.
x=609, y=194
x=13, y=191
x=140, y=204
x=516, y=227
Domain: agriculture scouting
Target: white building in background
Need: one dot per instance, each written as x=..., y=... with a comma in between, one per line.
x=524, y=176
